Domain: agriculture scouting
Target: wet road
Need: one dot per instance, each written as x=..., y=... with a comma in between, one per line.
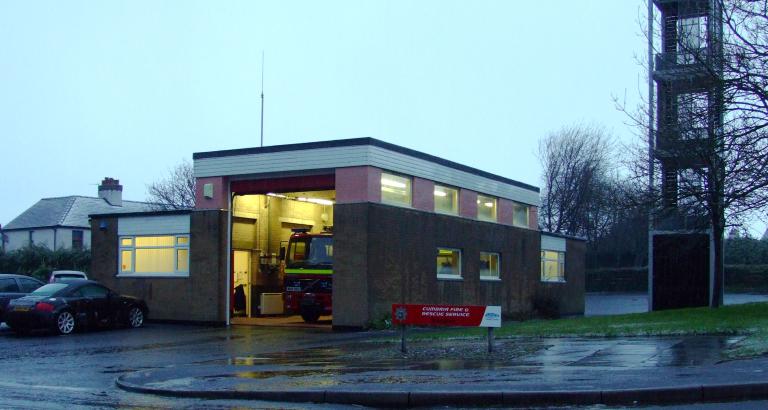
x=78, y=371
x=46, y=371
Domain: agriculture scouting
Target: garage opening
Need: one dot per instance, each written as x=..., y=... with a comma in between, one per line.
x=282, y=257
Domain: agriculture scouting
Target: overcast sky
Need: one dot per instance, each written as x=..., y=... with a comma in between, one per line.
x=127, y=89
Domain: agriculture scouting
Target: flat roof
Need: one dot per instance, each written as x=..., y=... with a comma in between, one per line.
x=352, y=142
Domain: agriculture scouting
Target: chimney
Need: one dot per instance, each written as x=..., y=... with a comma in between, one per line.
x=111, y=191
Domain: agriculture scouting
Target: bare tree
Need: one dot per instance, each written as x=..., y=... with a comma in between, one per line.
x=576, y=198
x=177, y=191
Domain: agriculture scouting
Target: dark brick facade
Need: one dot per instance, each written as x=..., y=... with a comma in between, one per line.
x=383, y=255
x=386, y=254
x=201, y=297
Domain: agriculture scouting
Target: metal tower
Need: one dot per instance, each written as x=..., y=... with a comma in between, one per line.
x=687, y=74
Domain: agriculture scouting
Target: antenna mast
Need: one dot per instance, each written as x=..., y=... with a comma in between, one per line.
x=262, y=98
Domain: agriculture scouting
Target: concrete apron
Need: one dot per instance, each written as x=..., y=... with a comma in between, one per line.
x=546, y=372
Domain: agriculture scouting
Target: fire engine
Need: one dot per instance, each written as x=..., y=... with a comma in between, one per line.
x=309, y=274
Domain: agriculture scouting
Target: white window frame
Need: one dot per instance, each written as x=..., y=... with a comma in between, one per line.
x=560, y=266
x=450, y=276
x=490, y=278
x=132, y=249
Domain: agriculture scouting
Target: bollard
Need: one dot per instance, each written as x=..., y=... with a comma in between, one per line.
x=490, y=340
x=403, y=349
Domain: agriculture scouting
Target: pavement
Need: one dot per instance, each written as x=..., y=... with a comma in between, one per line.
x=541, y=372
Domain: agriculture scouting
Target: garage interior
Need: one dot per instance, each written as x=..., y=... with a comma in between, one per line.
x=262, y=224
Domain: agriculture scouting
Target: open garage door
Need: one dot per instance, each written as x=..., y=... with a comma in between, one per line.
x=264, y=229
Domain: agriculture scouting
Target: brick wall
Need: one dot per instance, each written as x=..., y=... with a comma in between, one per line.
x=386, y=254
x=201, y=297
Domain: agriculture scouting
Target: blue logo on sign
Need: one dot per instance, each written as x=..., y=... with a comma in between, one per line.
x=491, y=315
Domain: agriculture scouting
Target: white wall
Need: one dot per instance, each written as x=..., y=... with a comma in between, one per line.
x=153, y=225
x=20, y=239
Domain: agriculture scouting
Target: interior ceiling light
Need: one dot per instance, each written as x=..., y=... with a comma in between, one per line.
x=318, y=201
x=389, y=182
x=489, y=204
x=440, y=193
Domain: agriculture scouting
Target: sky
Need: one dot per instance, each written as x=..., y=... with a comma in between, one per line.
x=128, y=89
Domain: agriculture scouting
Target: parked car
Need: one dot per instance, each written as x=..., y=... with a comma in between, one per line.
x=62, y=275
x=74, y=304
x=13, y=287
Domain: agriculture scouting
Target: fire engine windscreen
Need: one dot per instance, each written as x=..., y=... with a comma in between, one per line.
x=311, y=253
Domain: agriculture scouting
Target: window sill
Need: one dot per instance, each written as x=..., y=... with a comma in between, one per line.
x=553, y=281
x=490, y=279
x=150, y=275
x=449, y=277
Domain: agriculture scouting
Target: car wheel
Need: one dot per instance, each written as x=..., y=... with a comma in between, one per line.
x=65, y=322
x=135, y=317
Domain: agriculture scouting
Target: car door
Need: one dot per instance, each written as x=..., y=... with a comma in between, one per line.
x=96, y=297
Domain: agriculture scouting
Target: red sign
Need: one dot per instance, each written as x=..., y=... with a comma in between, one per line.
x=446, y=315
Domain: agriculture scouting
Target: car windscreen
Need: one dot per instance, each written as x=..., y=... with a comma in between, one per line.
x=49, y=289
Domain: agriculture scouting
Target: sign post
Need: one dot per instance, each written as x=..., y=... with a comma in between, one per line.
x=446, y=315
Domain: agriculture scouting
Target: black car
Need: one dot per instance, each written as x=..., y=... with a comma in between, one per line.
x=15, y=286
x=66, y=306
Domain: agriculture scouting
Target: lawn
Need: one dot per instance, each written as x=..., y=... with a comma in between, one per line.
x=749, y=319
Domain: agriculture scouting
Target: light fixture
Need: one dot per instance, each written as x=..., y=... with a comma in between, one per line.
x=318, y=201
x=489, y=204
x=440, y=193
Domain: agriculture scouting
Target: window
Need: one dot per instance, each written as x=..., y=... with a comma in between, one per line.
x=446, y=200
x=77, y=239
x=8, y=285
x=520, y=215
x=395, y=189
x=552, y=266
x=31, y=237
x=93, y=291
x=164, y=255
x=448, y=263
x=486, y=208
x=489, y=266
x=29, y=285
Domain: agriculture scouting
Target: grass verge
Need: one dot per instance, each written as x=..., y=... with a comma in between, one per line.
x=749, y=319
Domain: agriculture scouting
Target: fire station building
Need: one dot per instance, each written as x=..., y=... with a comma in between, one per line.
x=406, y=227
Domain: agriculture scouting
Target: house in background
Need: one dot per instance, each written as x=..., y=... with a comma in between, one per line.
x=63, y=222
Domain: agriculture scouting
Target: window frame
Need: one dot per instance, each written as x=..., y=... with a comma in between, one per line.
x=455, y=192
x=78, y=239
x=495, y=207
x=561, y=278
x=444, y=276
x=490, y=278
x=132, y=247
x=408, y=188
x=527, y=209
